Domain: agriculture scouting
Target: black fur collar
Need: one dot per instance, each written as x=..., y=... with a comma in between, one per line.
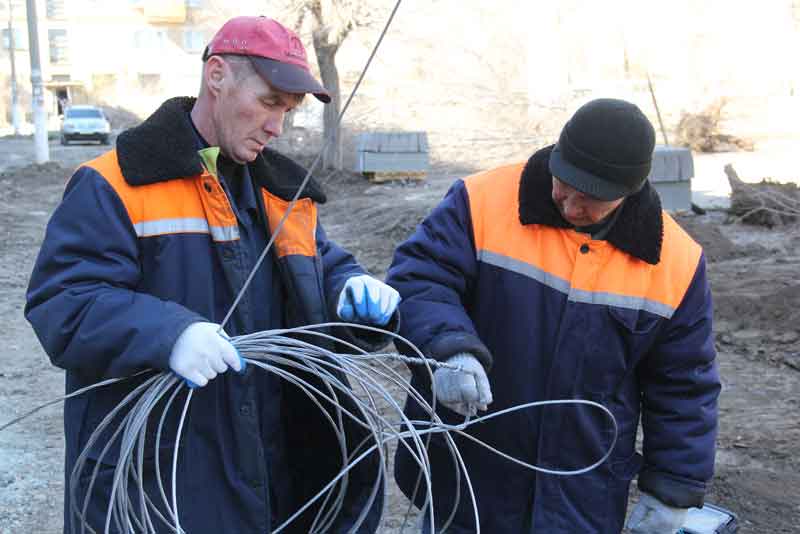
x=163, y=147
x=639, y=229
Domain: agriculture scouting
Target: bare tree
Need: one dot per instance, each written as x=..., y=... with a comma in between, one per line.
x=331, y=22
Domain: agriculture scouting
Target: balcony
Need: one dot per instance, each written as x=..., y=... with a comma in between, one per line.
x=55, y=9
x=164, y=11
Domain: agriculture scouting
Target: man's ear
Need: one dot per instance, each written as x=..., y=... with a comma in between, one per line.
x=215, y=73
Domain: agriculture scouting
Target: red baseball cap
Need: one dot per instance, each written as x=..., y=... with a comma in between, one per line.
x=275, y=51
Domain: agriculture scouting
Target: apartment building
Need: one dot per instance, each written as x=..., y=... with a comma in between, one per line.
x=511, y=63
x=120, y=53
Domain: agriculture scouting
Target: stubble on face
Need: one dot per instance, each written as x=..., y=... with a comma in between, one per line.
x=253, y=113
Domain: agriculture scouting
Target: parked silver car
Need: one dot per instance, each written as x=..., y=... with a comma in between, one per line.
x=85, y=123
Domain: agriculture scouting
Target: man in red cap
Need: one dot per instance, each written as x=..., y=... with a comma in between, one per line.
x=142, y=260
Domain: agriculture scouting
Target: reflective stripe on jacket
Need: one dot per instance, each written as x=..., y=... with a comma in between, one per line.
x=554, y=314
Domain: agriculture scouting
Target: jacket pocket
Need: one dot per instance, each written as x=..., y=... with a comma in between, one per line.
x=633, y=322
x=615, y=341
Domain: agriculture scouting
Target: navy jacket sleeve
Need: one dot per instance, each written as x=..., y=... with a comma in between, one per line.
x=434, y=272
x=338, y=266
x=82, y=300
x=680, y=385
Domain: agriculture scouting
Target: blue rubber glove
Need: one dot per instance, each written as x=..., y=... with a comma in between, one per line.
x=200, y=354
x=651, y=516
x=367, y=300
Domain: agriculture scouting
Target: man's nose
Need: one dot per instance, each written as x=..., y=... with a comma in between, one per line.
x=572, y=206
x=274, y=124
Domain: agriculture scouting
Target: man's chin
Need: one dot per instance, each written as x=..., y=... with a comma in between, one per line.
x=579, y=223
x=570, y=220
x=243, y=159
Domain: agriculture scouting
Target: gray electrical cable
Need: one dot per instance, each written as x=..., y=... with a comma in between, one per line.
x=132, y=509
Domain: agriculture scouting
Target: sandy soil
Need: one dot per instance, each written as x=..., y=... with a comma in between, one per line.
x=754, y=276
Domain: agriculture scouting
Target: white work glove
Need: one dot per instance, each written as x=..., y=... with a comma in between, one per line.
x=651, y=516
x=464, y=391
x=367, y=300
x=200, y=354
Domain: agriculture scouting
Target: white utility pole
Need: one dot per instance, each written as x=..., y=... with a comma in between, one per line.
x=37, y=93
x=12, y=44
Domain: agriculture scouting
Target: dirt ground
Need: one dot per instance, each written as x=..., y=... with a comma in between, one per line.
x=754, y=276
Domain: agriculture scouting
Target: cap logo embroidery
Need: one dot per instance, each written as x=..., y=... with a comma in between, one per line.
x=235, y=43
x=296, y=49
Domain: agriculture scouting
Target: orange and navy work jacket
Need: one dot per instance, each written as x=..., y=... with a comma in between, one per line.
x=554, y=314
x=146, y=242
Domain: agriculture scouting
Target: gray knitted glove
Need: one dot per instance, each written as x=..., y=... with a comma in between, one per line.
x=465, y=390
x=651, y=516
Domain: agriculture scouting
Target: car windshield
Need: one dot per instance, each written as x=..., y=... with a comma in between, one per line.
x=84, y=114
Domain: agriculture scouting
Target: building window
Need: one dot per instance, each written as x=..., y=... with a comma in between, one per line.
x=193, y=41
x=149, y=38
x=150, y=83
x=104, y=82
x=59, y=47
x=18, y=5
x=55, y=9
x=20, y=43
x=796, y=13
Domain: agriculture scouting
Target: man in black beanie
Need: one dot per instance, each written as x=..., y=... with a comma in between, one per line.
x=562, y=278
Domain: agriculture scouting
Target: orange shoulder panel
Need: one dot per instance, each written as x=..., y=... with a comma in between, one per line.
x=298, y=233
x=494, y=207
x=664, y=283
x=551, y=255
x=493, y=195
x=199, y=197
x=680, y=255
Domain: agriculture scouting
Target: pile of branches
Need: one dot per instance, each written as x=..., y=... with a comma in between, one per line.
x=767, y=203
x=701, y=131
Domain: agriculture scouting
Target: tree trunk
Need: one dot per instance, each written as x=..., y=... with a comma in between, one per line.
x=288, y=120
x=326, y=57
x=767, y=203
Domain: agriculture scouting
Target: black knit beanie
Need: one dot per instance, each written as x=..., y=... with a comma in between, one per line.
x=605, y=149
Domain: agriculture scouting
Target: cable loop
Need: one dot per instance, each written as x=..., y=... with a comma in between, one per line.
x=354, y=387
